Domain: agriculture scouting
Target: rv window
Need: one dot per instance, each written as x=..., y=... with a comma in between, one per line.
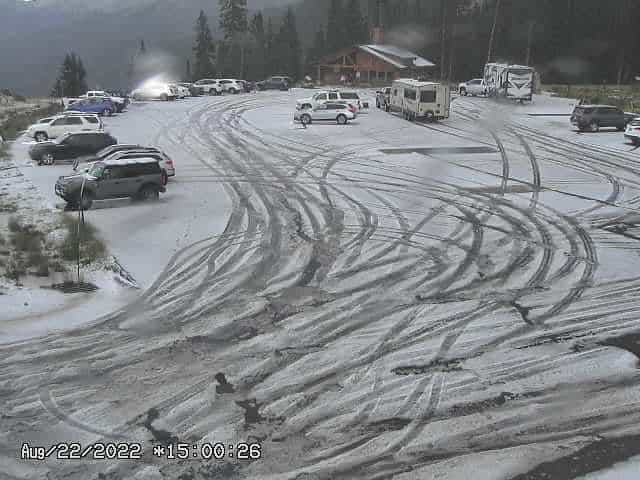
x=428, y=96
x=410, y=94
x=520, y=71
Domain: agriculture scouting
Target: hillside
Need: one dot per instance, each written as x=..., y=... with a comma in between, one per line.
x=35, y=35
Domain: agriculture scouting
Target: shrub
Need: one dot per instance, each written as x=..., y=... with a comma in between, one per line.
x=16, y=268
x=91, y=247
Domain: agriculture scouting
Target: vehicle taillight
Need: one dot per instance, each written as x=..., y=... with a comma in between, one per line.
x=352, y=109
x=169, y=162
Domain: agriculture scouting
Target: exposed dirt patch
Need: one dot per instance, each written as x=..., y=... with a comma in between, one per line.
x=630, y=342
x=437, y=365
x=597, y=456
x=74, y=287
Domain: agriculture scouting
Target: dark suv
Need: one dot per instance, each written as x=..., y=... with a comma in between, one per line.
x=275, y=83
x=70, y=146
x=592, y=117
x=139, y=178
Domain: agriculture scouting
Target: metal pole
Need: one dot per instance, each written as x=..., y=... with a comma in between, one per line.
x=80, y=221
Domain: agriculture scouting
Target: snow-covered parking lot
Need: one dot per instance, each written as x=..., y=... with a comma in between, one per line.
x=385, y=299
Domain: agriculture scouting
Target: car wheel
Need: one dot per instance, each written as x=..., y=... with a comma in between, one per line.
x=234, y=91
x=86, y=201
x=149, y=192
x=342, y=119
x=164, y=97
x=305, y=119
x=594, y=127
x=47, y=159
x=41, y=137
x=463, y=91
x=377, y=104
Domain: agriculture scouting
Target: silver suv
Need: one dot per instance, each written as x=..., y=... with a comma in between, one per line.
x=137, y=178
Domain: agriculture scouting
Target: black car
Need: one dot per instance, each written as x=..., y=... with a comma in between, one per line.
x=70, y=146
x=593, y=117
x=278, y=82
x=248, y=86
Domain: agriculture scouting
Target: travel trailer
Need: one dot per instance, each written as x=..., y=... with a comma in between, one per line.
x=515, y=82
x=420, y=100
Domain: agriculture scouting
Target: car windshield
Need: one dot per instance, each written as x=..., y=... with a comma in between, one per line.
x=388, y=240
x=96, y=170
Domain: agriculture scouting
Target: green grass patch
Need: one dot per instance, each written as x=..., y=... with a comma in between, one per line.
x=91, y=247
x=626, y=97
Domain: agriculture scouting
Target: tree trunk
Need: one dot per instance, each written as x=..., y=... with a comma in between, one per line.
x=443, y=40
x=493, y=31
x=529, y=42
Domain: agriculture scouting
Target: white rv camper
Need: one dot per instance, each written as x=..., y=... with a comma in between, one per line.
x=515, y=82
x=420, y=100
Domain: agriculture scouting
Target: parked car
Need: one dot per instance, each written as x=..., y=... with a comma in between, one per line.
x=155, y=91
x=137, y=178
x=278, y=82
x=593, y=117
x=473, y=87
x=340, y=113
x=119, y=102
x=383, y=98
x=66, y=123
x=632, y=131
x=188, y=86
x=183, y=92
x=209, y=86
x=332, y=96
x=128, y=150
x=100, y=105
x=231, y=85
x=248, y=86
x=69, y=146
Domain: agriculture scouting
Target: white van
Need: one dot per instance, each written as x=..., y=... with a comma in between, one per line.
x=420, y=100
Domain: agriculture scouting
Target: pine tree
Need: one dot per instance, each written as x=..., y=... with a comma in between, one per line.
x=203, y=49
x=233, y=18
x=234, y=24
x=270, y=48
x=80, y=75
x=356, y=31
x=315, y=52
x=258, y=61
x=336, y=27
x=288, y=46
x=319, y=45
x=72, y=79
x=187, y=72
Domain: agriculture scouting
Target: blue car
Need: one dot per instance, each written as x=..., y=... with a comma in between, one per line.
x=99, y=105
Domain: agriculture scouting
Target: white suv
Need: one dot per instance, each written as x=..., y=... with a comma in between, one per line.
x=231, y=85
x=67, y=123
x=209, y=86
x=350, y=97
x=473, y=87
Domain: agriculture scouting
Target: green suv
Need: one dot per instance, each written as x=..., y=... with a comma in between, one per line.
x=137, y=178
